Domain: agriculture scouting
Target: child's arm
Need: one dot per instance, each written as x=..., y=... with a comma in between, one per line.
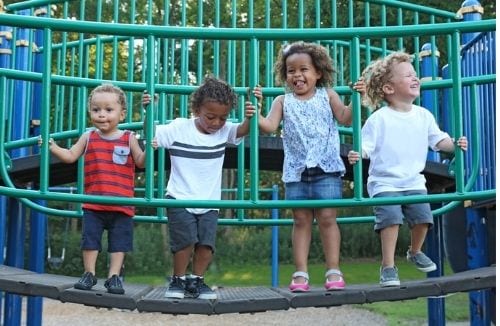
x=447, y=144
x=342, y=113
x=68, y=155
x=244, y=127
x=138, y=154
x=270, y=123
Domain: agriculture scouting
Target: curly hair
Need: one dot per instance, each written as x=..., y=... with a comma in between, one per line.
x=212, y=90
x=319, y=57
x=378, y=73
x=109, y=88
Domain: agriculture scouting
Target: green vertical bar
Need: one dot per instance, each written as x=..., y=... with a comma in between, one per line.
x=356, y=119
x=114, y=53
x=150, y=82
x=457, y=110
x=254, y=123
x=199, y=66
x=45, y=114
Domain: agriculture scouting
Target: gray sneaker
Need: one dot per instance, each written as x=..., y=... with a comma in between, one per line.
x=389, y=276
x=197, y=288
x=423, y=263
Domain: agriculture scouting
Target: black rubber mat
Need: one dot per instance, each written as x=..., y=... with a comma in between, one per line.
x=239, y=299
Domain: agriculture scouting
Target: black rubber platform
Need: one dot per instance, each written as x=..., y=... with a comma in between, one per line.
x=238, y=299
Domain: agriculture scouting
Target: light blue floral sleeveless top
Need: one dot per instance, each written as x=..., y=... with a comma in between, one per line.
x=310, y=136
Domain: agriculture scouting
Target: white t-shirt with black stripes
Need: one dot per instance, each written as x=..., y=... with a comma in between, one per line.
x=196, y=159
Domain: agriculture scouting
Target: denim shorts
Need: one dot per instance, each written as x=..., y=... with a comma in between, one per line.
x=388, y=215
x=315, y=184
x=187, y=229
x=120, y=229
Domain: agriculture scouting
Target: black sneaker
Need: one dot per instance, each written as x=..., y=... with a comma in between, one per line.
x=86, y=282
x=203, y=290
x=176, y=288
x=191, y=287
x=114, y=285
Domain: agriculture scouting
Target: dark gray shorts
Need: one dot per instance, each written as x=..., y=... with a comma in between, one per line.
x=394, y=214
x=187, y=229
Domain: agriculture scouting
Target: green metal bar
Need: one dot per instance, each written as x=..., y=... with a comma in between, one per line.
x=243, y=33
x=356, y=122
x=457, y=109
x=414, y=7
x=150, y=78
x=45, y=114
x=253, y=74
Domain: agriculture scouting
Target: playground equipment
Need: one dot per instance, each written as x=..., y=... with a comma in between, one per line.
x=51, y=55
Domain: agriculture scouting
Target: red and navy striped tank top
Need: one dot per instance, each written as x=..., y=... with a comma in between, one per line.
x=109, y=170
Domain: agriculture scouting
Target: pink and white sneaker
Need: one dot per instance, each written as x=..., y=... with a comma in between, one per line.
x=299, y=287
x=337, y=284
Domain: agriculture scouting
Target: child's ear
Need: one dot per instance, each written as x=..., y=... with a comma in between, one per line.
x=123, y=114
x=387, y=89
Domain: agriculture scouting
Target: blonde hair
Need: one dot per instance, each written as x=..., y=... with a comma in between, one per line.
x=109, y=88
x=377, y=74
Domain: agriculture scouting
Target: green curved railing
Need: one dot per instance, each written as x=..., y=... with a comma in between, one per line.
x=246, y=49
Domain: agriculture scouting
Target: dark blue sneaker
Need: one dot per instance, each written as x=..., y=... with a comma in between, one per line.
x=175, y=288
x=114, y=285
x=196, y=288
x=86, y=282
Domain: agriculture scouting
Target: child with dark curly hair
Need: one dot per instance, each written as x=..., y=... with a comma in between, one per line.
x=197, y=146
x=311, y=111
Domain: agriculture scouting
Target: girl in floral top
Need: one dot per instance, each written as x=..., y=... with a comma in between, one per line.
x=312, y=169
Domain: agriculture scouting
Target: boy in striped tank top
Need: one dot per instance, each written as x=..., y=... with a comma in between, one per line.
x=111, y=156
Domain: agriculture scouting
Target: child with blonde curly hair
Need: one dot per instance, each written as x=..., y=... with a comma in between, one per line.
x=396, y=138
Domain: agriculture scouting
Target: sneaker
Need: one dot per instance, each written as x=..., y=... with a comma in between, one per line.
x=114, y=285
x=389, y=276
x=423, y=263
x=86, y=282
x=191, y=287
x=337, y=284
x=176, y=288
x=299, y=287
x=196, y=288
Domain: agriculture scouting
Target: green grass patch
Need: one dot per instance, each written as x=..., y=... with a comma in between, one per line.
x=360, y=271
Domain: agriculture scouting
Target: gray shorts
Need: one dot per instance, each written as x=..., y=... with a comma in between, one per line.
x=394, y=214
x=187, y=229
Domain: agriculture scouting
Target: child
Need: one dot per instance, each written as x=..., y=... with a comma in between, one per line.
x=312, y=167
x=111, y=156
x=197, y=147
x=396, y=139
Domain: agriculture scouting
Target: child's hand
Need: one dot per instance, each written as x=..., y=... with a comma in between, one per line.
x=353, y=157
x=40, y=141
x=462, y=143
x=249, y=107
x=146, y=99
x=154, y=143
x=359, y=86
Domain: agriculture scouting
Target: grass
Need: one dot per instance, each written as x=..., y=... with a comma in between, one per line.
x=409, y=312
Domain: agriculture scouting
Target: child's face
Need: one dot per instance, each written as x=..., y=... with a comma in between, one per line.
x=301, y=75
x=404, y=82
x=105, y=112
x=212, y=116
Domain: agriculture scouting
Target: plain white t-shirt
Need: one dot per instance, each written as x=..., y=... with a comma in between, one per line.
x=397, y=144
x=196, y=159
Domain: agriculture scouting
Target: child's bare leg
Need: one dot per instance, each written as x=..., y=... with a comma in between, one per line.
x=301, y=239
x=388, y=239
x=201, y=259
x=330, y=238
x=89, y=260
x=116, y=263
x=418, y=233
x=181, y=260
